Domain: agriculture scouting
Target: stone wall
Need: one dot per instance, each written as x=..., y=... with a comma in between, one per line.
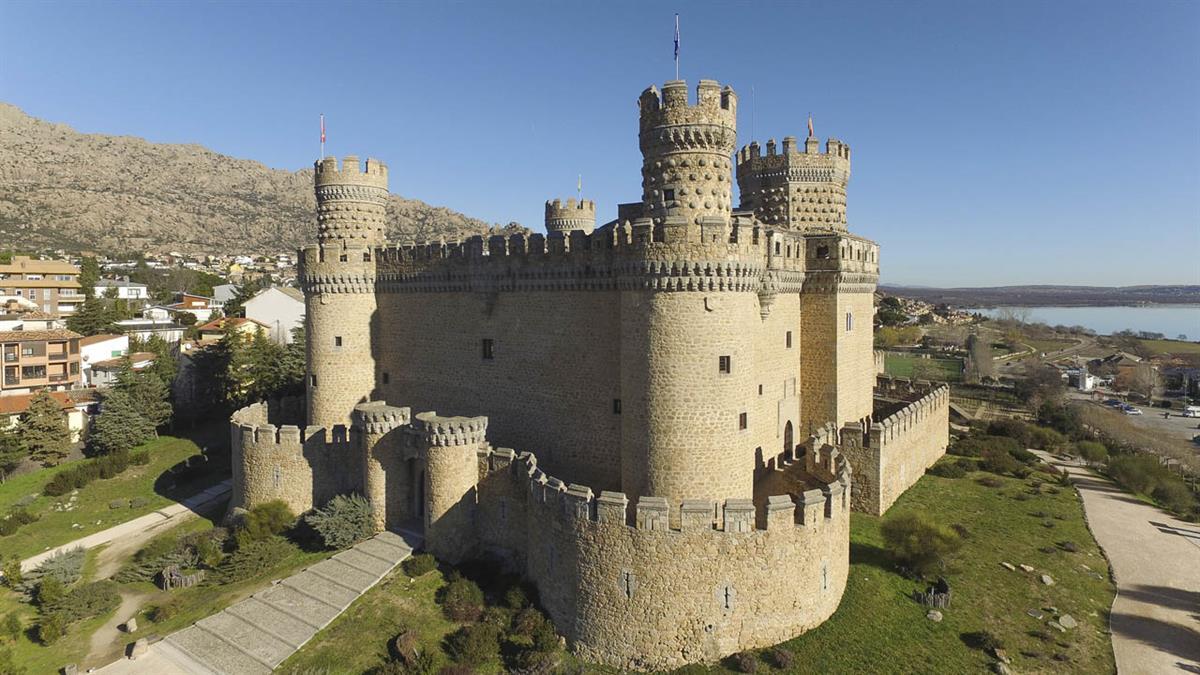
x=629, y=589
x=895, y=450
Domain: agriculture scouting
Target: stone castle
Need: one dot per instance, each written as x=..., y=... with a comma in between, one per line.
x=656, y=421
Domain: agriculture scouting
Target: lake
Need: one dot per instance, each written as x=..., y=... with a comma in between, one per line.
x=1170, y=320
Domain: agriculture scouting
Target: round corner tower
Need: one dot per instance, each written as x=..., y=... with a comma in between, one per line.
x=797, y=188
x=686, y=149
x=573, y=215
x=338, y=277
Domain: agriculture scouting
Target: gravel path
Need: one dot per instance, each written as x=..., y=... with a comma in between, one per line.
x=1156, y=561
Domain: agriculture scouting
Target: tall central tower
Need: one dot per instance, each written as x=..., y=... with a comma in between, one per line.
x=338, y=276
x=686, y=149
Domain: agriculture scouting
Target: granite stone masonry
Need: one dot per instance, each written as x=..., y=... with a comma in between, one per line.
x=655, y=420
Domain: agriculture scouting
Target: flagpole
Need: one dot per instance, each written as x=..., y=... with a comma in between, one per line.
x=676, y=46
x=322, y=135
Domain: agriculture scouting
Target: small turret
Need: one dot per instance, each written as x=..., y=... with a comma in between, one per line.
x=571, y=216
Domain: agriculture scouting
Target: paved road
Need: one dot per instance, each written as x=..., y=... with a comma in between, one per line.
x=254, y=636
x=1156, y=561
x=196, y=502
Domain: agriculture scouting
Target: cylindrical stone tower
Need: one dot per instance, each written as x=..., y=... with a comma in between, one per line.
x=573, y=215
x=450, y=456
x=686, y=149
x=386, y=478
x=797, y=188
x=338, y=277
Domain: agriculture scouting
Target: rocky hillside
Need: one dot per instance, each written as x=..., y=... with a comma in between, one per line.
x=63, y=189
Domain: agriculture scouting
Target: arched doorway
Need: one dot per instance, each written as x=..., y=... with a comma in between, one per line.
x=787, y=439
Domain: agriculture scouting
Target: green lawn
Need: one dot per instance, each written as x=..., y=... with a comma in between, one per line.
x=357, y=640
x=91, y=511
x=1051, y=344
x=1171, y=347
x=915, y=367
x=877, y=622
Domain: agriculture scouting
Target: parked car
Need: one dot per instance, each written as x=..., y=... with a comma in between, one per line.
x=1113, y=402
x=1130, y=410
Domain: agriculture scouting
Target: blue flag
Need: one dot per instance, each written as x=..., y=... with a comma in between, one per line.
x=676, y=38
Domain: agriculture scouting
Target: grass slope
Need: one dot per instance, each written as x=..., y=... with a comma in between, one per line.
x=91, y=511
x=879, y=628
x=943, y=370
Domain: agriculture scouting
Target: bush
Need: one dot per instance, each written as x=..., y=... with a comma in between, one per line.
x=50, y=628
x=1012, y=428
x=85, y=602
x=1024, y=456
x=138, y=502
x=947, y=470
x=166, y=609
x=463, y=600
x=745, y=662
x=1174, y=494
x=249, y=560
x=782, y=658
x=918, y=543
x=8, y=663
x=140, y=458
x=998, y=461
x=473, y=645
x=80, y=474
x=10, y=628
x=264, y=522
x=118, y=504
x=343, y=522
x=420, y=565
x=527, y=621
x=1092, y=452
x=516, y=598
x=1046, y=439
x=13, y=577
x=1139, y=473
x=990, y=481
x=983, y=639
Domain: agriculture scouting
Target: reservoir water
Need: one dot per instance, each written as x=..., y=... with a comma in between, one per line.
x=1170, y=320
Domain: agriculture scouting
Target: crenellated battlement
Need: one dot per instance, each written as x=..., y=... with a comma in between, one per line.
x=373, y=173
x=809, y=509
x=714, y=107
x=796, y=186
x=378, y=418
x=929, y=405
x=436, y=430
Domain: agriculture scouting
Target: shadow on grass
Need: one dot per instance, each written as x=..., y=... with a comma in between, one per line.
x=869, y=554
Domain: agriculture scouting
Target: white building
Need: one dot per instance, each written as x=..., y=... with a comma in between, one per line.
x=125, y=289
x=224, y=293
x=105, y=373
x=280, y=308
x=98, y=348
x=144, y=328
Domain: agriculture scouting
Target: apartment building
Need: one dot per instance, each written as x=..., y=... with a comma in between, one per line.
x=51, y=285
x=39, y=359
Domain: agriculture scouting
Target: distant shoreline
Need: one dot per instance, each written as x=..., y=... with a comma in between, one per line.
x=1052, y=296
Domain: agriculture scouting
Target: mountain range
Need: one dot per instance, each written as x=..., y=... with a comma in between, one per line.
x=62, y=189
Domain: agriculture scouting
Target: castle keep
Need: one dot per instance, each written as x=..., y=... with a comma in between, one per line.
x=657, y=420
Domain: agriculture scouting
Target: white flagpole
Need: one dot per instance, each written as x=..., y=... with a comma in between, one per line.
x=677, y=46
x=322, y=135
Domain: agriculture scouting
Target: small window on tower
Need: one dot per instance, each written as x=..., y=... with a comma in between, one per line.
x=788, y=339
x=849, y=321
x=312, y=380
x=489, y=348
x=343, y=258
x=760, y=390
x=386, y=379
x=743, y=421
x=366, y=256
x=723, y=363
x=668, y=195
x=337, y=341
x=616, y=406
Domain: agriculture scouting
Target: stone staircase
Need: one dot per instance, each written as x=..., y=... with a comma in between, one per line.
x=255, y=635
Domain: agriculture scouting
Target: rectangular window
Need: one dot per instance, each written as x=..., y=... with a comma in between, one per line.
x=616, y=406
x=849, y=321
x=337, y=341
x=312, y=380
x=386, y=379
x=668, y=195
x=723, y=363
x=489, y=349
x=743, y=421
x=788, y=339
x=760, y=390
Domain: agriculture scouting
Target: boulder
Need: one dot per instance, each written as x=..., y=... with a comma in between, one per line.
x=1047, y=580
x=1025, y=568
x=933, y=615
x=1008, y=566
x=131, y=625
x=139, y=648
x=1068, y=621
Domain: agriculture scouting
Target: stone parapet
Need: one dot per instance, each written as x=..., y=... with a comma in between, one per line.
x=571, y=215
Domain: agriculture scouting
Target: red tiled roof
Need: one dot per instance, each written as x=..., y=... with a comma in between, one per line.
x=37, y=335
x=19, y=403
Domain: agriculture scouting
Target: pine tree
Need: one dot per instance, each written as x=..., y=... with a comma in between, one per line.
x=92, y=318
x=165, y=366
x=119, y=426
x=150, y=396
x=12, y=453
x=89, y=274
x=43, y=431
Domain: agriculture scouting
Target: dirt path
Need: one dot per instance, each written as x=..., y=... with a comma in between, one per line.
x=1155, y=558
x=108, y=641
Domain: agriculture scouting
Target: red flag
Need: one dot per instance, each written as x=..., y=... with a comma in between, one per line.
x=810, y=129
x=323, y=128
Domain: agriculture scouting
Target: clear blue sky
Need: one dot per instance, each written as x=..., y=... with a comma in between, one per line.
x=994, y=142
